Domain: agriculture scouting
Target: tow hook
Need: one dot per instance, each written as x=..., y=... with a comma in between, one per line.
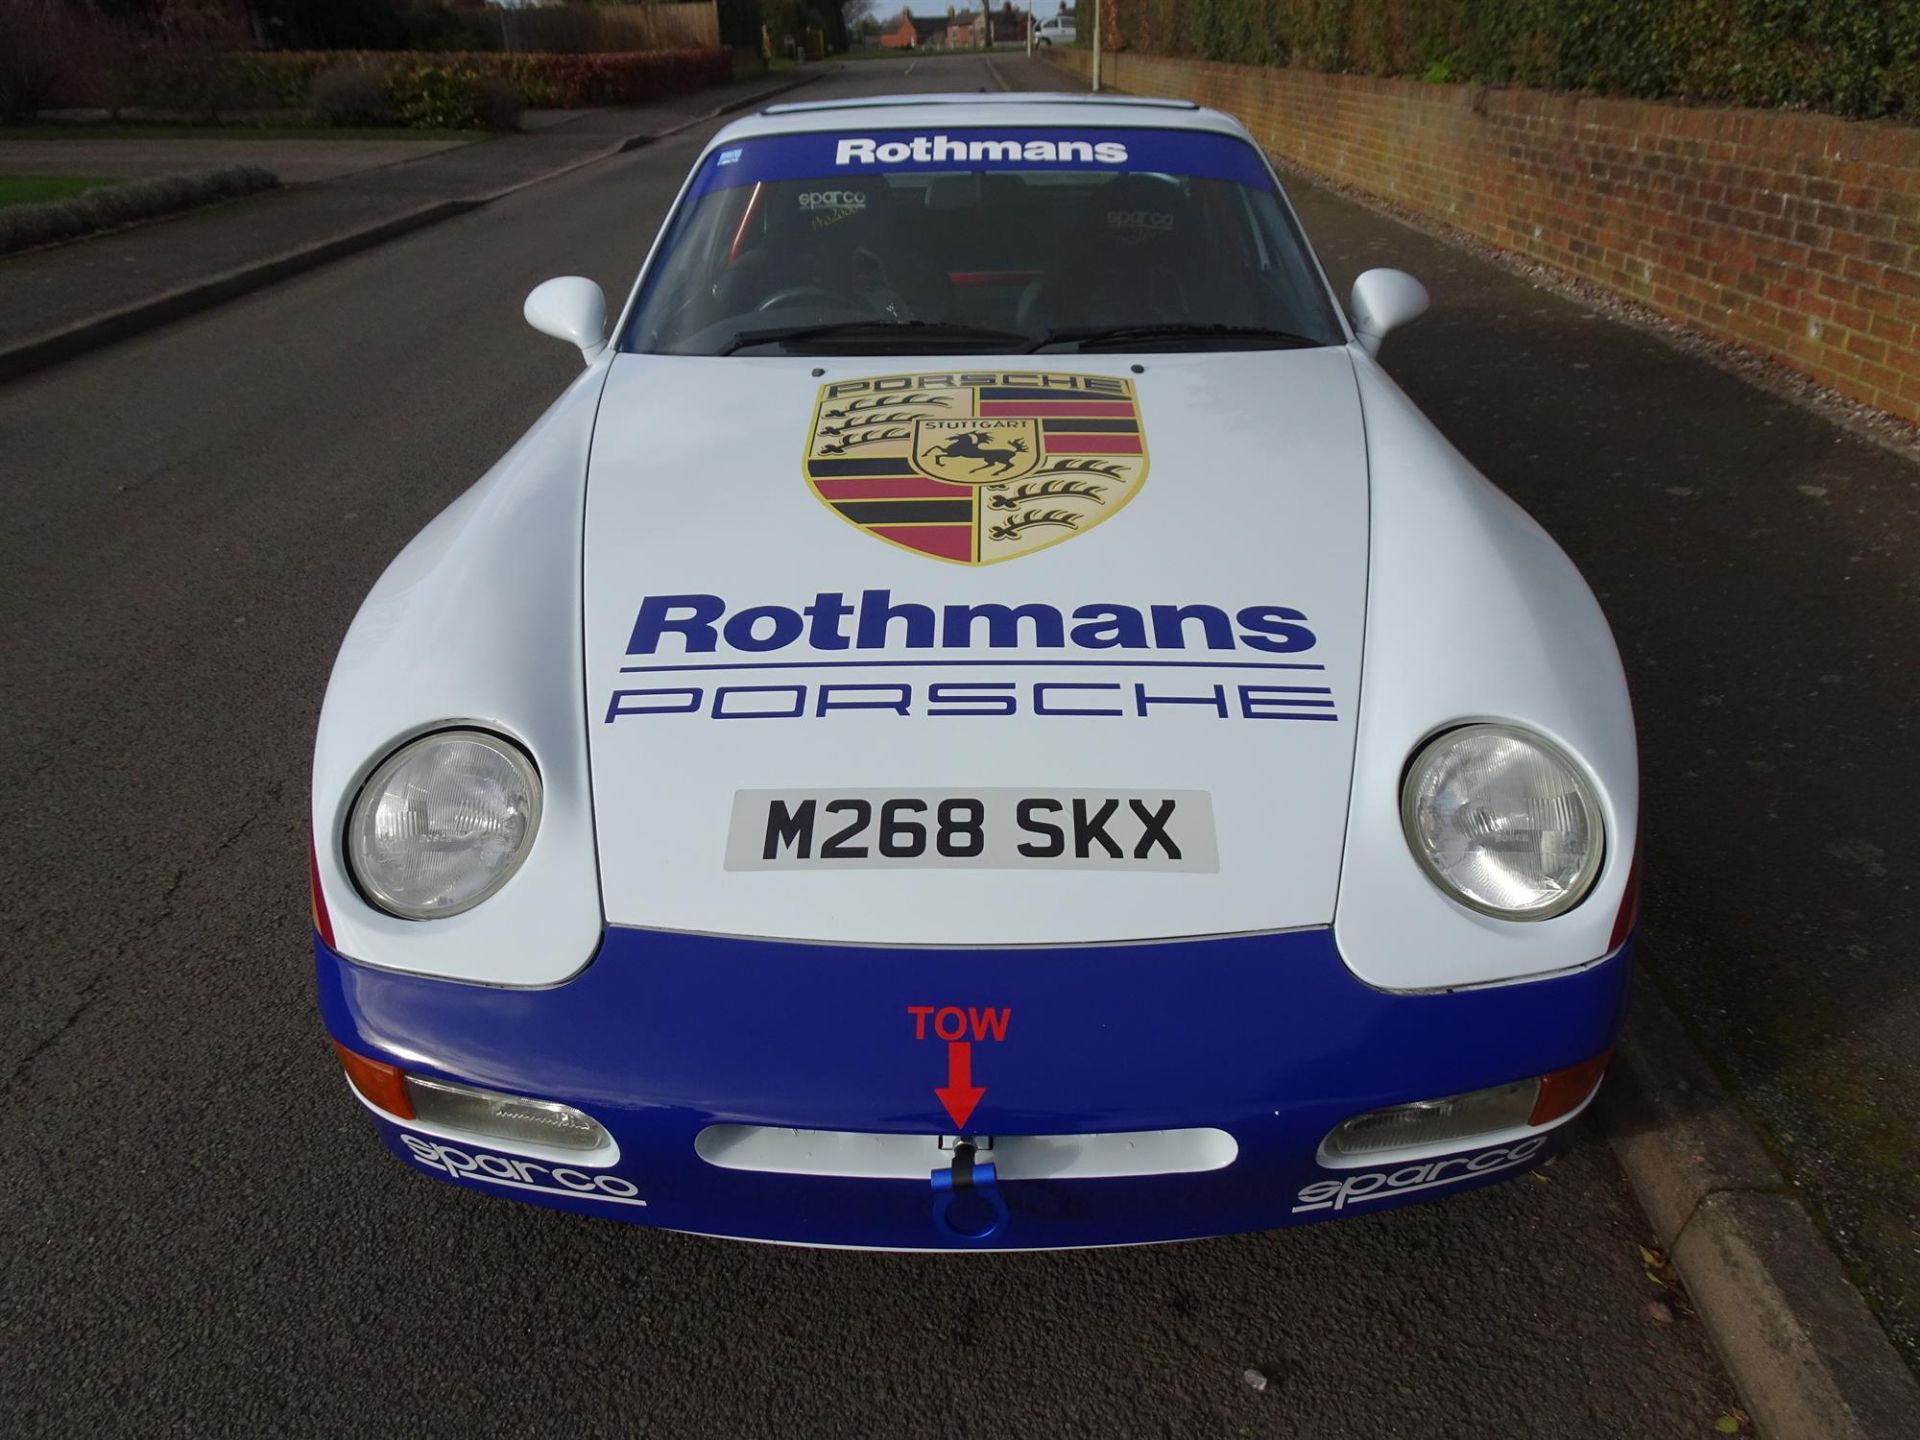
x=967, y=1203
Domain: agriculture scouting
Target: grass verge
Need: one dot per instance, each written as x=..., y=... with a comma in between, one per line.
x=108, y=207
x=38, y=189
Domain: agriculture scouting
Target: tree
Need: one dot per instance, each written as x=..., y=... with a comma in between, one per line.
x=740, y=24
x=328, y=24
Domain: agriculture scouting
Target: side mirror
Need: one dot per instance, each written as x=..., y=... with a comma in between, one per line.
x=573, y=309
x=1383, y=301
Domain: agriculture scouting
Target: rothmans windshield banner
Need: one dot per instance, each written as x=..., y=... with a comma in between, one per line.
x=851, y=154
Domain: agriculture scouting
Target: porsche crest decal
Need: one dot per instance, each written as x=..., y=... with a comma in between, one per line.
x=977, y=468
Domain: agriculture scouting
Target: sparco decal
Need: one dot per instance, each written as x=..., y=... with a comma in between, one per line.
x=1426, y=1175
x=516, y=1174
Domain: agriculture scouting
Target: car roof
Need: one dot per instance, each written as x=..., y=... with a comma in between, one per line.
x=895, y=112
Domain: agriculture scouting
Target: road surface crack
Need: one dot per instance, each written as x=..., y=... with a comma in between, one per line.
x=90, y=989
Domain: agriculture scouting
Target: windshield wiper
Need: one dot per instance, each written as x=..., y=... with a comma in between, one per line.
x=1128, y=337
x=918, y=333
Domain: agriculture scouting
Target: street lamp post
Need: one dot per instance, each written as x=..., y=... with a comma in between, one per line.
x=1096, y=47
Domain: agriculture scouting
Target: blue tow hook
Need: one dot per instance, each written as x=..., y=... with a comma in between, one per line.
x=967, y=1203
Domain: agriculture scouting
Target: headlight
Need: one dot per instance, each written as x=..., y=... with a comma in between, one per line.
x=1503, y=821
x=443, y=823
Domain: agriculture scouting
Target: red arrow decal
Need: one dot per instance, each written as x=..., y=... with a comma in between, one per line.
x=959, y=1094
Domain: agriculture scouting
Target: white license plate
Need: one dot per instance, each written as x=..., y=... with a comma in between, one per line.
x=986, y=829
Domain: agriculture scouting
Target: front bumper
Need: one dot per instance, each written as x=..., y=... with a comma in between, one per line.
x=1269, y=1038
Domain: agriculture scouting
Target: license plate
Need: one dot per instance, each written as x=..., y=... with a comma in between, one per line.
x=985, y=829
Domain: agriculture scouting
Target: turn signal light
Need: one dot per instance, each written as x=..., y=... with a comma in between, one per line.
x=383, y=1085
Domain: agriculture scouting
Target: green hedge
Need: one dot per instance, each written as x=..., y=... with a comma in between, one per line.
x=441, y=91
x=1851, y=57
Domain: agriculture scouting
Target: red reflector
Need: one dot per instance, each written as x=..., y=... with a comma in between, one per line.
x=321, y=921
x=1629, y=915
x=1565, y=1090
x=385, y=1086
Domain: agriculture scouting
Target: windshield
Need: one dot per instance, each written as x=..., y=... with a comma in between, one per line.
x=982, y=241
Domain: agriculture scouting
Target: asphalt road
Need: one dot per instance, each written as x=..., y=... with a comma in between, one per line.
x=198, y=1232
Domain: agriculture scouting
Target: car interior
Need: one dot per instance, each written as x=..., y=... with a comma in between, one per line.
x=1028, y=254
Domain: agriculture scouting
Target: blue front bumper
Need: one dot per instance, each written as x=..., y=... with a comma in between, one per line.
x=1268, y=1037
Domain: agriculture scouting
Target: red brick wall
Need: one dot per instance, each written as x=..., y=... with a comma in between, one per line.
x=1796, y=235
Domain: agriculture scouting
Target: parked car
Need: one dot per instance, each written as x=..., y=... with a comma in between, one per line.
x=1060, y=30
x=982, y=718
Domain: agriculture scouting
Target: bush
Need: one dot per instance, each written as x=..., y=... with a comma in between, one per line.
x=435, y=96
x=35, y=40
x=498, y=105
x=188, y=62
x=1850, y=57
x=368, y=25
x=443, y=91
x=350, y=97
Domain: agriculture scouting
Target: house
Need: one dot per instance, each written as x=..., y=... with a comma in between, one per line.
x=915, y=32
x=1005, y=26
x=1009, y=26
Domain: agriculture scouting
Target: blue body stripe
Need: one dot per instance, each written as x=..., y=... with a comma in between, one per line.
x=1269, y=1037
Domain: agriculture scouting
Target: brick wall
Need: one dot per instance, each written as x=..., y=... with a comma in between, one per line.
x=1796, y=235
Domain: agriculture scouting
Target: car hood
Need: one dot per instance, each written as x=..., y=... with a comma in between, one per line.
x=1194, y=634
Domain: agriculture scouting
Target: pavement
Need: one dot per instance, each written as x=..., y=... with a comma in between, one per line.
x=65, y=299
x=201, y=1232
x=296, y=162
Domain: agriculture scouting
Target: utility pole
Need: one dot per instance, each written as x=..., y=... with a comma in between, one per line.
x=1096, y=47
x=1029, y=29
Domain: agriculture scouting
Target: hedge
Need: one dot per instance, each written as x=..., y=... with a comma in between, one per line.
x=1849, y=57
x=429, y=90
